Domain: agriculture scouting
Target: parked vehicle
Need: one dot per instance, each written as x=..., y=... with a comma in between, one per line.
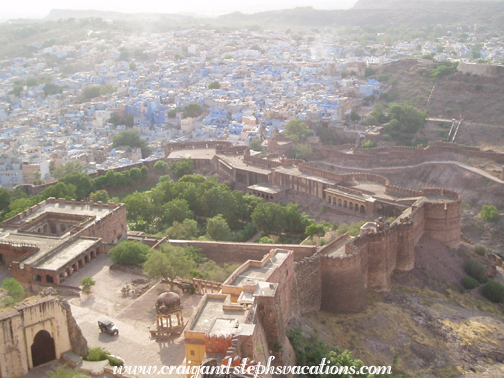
x=108, y=327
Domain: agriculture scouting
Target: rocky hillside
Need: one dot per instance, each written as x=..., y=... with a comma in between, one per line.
x=428, y=326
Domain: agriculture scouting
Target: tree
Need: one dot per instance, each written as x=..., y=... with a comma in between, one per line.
x=489, y=213
x=218, y=229
x=71, y=166
x=82, y=183
x=132, y=139
x=314, y=229
x=135, y=174
x=297, y=130
x=269, y=217
x=168, y=263
x=172, y=113
x=87, y=283
x=36, y=178
x=5, y=199
x=139, y=207
x=14, y=288
x=301, y=151
x=186, y=230
x=52, y=89
x=182, y=167
x=214, y=85
x=354, y=116
x=369, y=144
x=176, y=210
x=145, y=171
x=132, y=66
x=100, y=195
x=193, y=110
x=255, y=145
x=369, y=72
x=61, y=190
x=161, y=167
x=129, y=253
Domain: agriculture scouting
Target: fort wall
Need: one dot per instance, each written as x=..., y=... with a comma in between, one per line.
x=481, y=69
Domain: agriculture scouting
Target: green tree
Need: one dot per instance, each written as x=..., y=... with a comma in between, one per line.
x=489, y=213
x=60, y=190
x=218, y=229
x=87, y=283
x=297, y=130
x=145, y=171
x=36, y=178
x=314, y=229
x=52, y=89
x=82, y=183
x=14, y=288
x=168, y=263
x=186, y=230
x=172, y=113
x=269, y=217
x=100, y=195
x=161, y=167
x=91, y=91
x=182, y=167
x=354, y=116
x=176, y=210
x=135, y=174
x=132, y=66
x=301, y=151
x=5, y=199
x=193, y=110
x=129, y=253
x=369, y=72
x=71, y=166
x=139, y=208
x=369, y=144
x=266, y=240
x=214, y=85
x=132, y=139
x=255, y=145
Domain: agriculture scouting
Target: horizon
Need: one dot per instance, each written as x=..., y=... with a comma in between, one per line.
x=29, y=9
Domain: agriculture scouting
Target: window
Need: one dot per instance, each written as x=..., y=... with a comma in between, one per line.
x=192, y=352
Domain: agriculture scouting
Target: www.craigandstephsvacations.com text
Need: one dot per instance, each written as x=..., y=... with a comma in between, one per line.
x=257, y=370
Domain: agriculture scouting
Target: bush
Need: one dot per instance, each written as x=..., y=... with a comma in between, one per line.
x=97, y=354
x=475, y=269
x=489, y=213
x=470, y=283
x=493, y=291
x=369, y=144
x=481, y=250
x=115, y=361
x=129, y=253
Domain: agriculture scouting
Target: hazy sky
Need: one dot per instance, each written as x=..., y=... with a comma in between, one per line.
x=40, y=8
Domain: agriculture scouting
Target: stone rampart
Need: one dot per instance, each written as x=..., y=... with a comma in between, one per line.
x=481, y=69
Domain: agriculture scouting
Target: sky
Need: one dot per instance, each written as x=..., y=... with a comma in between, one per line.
x=41, y=8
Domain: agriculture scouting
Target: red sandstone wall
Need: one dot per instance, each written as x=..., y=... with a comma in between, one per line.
x=343, y=287
x=306, y=294
x=233, y=253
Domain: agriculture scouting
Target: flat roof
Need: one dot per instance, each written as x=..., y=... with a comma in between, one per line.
x=223, y=327
x=65, y=256
x=212, y=309
x=294, y=171
x=237, y=162
x=267, y=187
x=261, y=273
x=189, y=153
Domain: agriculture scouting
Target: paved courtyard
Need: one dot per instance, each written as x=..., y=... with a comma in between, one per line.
x=133, y=317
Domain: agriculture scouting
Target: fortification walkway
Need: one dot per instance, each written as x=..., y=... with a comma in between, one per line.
x=424, y=164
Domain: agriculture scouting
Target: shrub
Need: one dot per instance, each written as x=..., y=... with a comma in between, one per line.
x=489, y=213
x=321, y=242
x=129, y=253
x=475, y=269
x=481, y=250
x=369, y=144
x=493, y=291
x=97, y=354
x=470, y=283
x=115, y=361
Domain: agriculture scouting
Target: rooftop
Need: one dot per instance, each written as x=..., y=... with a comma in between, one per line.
x=266, y=187
x=213, y=308
x=261, y=273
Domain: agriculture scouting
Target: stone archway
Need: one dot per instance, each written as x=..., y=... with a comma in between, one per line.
x=43, y=349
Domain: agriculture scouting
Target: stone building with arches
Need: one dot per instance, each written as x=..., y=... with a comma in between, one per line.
x=55, y=238
x=37, y=332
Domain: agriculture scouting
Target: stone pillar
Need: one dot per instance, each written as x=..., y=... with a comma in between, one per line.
x=56, y=278
x=83, y=262
x=70, y=271
x=93, y=254
x=88, y=257
x=76, y=265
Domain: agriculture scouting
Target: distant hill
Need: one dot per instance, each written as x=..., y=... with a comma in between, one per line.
x=428, y=4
